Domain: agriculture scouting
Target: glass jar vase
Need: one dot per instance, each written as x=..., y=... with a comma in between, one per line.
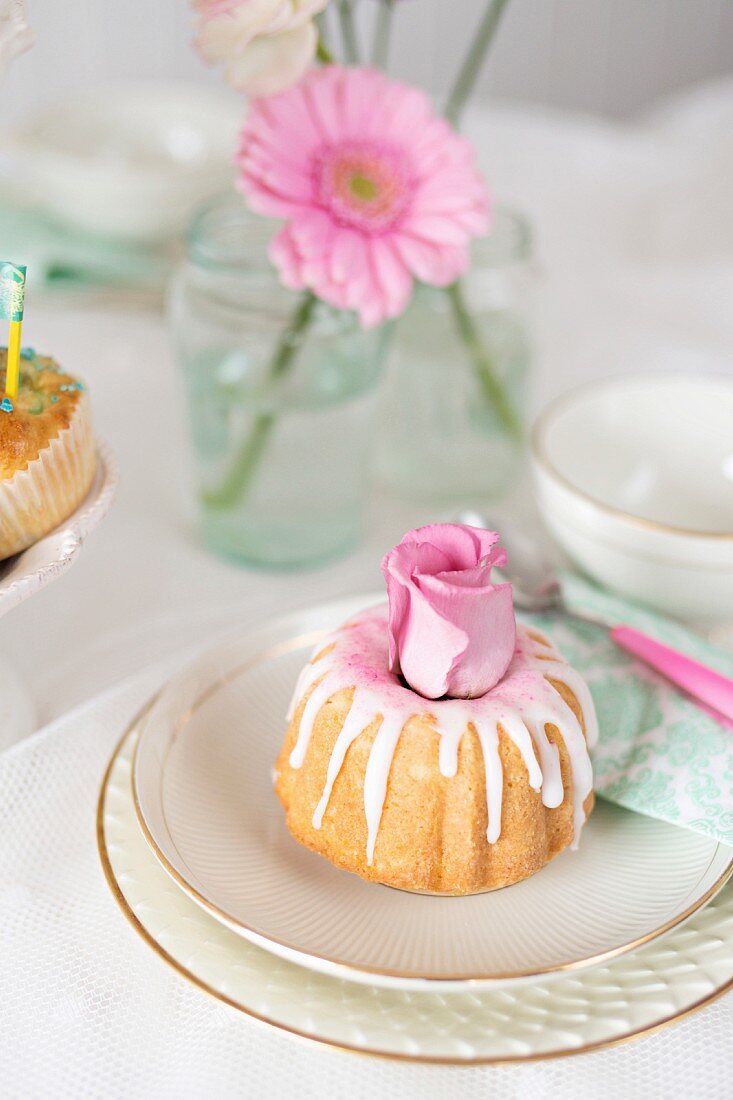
x=454, y=406
x=281, y=395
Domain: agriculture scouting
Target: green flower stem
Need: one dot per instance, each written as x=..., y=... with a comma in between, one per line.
x=491, y=384
x=323, y=54
x=236, y=484
x=473, y=61
x=348, y=31
x=380, y=49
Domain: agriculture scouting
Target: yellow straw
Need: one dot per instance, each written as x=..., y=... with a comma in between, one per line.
x=12, y=376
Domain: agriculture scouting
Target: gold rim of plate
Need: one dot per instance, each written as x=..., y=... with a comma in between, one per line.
x=234, y=923
x=319, y=1041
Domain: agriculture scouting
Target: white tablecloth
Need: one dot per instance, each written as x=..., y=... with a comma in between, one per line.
x=635, y=242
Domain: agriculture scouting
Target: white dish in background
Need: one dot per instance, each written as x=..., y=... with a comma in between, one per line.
x=129, y=160
x=26, y=573
x=203, y=788
x=634, y=478
x=582, y=1011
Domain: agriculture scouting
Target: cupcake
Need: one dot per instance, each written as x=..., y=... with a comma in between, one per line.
x=47, y=455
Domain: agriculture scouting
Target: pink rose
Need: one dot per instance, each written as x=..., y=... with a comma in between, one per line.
x=451, y=631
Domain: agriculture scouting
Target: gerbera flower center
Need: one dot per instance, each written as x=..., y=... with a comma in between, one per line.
x=364, y=188
x=363, y=185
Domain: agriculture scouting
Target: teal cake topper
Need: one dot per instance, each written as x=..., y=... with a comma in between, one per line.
x=12, y=291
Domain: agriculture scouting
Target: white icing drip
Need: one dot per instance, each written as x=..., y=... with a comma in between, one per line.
x=552, y=788
x=377, y=775
x=581, y=691
x=452, y=729
x=308, y=675
x=515, y=729
x=321, y=693
x=523, y=704
x=575, y=742
x=576, y=746
x=488, y=736
x=357, y=720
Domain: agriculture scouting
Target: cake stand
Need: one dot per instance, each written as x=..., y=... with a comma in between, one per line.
x=27, y=573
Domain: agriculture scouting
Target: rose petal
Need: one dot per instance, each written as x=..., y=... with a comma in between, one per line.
x=430, y=647
x=486, y=619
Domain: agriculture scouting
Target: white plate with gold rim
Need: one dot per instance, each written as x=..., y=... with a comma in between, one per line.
x=204, y=797
x=628, y=997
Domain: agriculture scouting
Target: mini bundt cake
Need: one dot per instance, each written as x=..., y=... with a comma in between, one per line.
x=440, y=795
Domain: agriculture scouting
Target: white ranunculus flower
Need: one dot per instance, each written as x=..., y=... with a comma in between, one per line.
x=265, y=46
x=15, y=34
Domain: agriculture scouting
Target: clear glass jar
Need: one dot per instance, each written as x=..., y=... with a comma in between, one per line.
x=454, y=409
x=282, y=397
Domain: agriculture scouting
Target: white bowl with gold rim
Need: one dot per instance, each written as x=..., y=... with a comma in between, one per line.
x=634, y=479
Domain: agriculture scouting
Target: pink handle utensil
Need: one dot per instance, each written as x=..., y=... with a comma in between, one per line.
x=708, y=687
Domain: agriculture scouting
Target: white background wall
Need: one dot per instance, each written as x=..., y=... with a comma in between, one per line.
x=613, y=56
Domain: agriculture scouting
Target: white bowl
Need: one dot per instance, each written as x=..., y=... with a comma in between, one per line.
x=634, y=478
x=129, y=160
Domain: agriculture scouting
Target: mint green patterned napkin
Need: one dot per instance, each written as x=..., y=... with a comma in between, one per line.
x=658, y=753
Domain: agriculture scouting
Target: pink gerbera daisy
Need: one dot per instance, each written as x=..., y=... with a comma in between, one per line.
x=376, y=189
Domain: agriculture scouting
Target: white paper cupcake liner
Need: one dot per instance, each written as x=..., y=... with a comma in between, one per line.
x=35, y=500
